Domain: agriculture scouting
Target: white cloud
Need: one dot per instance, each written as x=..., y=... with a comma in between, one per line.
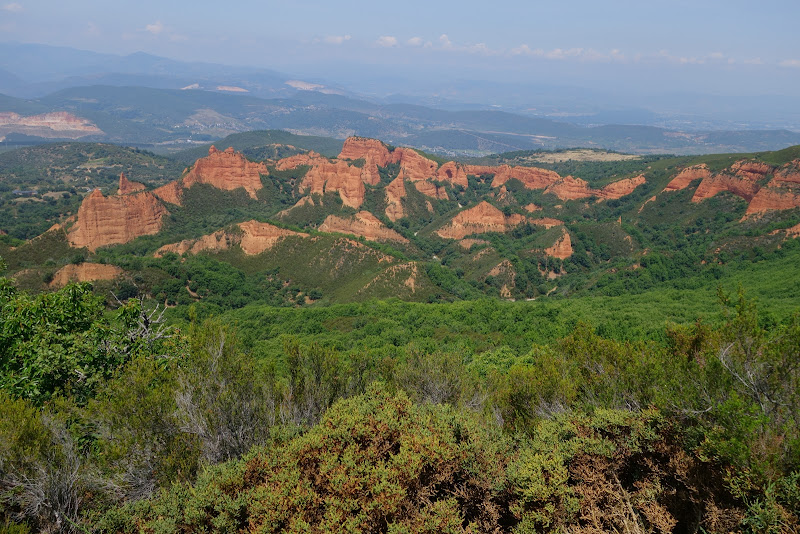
x=753, y=61
x=13, y=7
x=386, y=41
x=336, y=39
x=445, y=41
x=415, y=41
x=154, y=28
x=794, y=63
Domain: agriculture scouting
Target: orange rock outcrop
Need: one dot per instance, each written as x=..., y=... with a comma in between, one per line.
x=227, y=170
x=432, y=190
x=363, y=224
x=719, y=183
x=254, y=238
x=687, y=176
x=85, y=272
x=481, y=219
x=370, y=150
x=114, y=220
x=562, y=248
x=127, y=187
x=292, y=162
x=453, y=172
x=326, y=176
x=395, y=192
x=571, y=188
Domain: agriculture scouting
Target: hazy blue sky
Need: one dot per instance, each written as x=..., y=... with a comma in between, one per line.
x=731, y=46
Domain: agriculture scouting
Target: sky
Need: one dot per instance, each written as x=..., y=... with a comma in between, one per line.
x=731, y=47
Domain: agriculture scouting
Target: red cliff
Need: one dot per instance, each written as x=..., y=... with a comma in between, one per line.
x=362, y=224
x=85, y=272
x=370, y=150
x=481, y=219
x=395, y=192
x=562, y=248
x=326, y=176
x=255, y=237
x=227, y=170
x=687, y=176
x=127, y=187
x=114, y=220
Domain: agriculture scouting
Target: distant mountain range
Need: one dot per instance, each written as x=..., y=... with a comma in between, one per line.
x=164, y=104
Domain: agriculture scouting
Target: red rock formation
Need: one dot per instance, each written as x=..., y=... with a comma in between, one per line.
x=227, y=170
x=547, y=222
x=562, y=248
x=751, y=170
x=171, y=192
x=773, y=199
x=687, y=176
x=395, y=192
x=712, y=185
x=370, y=150
x=292, y=162
x=362, y=224
x=432, y=190
x=453, y=172
x=336, y=176
x=570, y=188
x=126, y=186
x=789, y=172
x=531, y=177
x=413, y=165
x=621, y=188
x=114, y=220
x=255, y=238
x=481, y=219
x=85, y=272
x=258, y=237
x=530, y=208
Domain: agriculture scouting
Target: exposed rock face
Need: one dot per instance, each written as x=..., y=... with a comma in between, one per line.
x=751, y=170
x=115, y=220
x=255, y=237
x=531, y=177
x=621, y=188
x=371, y=150
x=127, y=187
x=547, y=222
x=746, y=180
x=85, y=272
x=453, y=172
x=562, y=248
x=713, y=185
x=336, y=176
x=292, y=162
x=432, y=190
x=227, y=170
x=530, y=208
x=56, y=124
x=395, y=192
x=570, y=188
x=773, y=198
x=481, y=219
x=687, y=176
x=362, y=224
x=413, y=165
x=171, y=192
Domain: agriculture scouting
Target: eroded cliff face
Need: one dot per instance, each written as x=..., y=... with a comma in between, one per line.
x=562, y=248
x=253, y=238
x=395, y=193
x=763, y=187
x=687, y=176
x=226, y=170
x=478, y=220
x=363, y=224
x=127, y=187
x=115, y=220
x=85, y=272
x=338, y=176
x=370, y=150
x=571, y=188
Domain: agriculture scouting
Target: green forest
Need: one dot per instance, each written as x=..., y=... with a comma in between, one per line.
x=388, y=416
